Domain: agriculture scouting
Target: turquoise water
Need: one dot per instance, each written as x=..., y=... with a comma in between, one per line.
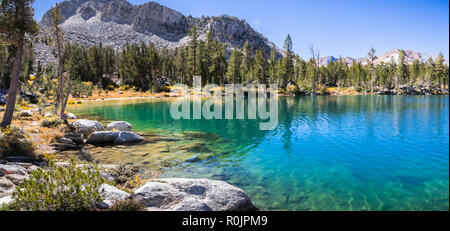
x=327, y=153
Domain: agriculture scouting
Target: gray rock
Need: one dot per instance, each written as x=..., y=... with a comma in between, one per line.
x=49, y=114
x=193, y=159
x=3, y=96
x=113, y=137
x=6, y=186
x=6, y=200
x=112, y=195
x=64, y=147
x=118, y=23
x=70, y=116
x=87, y=12
x=193, y=195
x=32, y=168
x=13, y=169
x=65, y=141
x=75, y=137
x=26, y=113
x=119, y=126
x=86, y=127
x=16, y=178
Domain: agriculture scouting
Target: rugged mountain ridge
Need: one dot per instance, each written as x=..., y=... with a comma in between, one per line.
x=118, y=22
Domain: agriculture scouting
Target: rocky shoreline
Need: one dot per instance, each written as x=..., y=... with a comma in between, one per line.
x=401, y=90
x=171, y=194
x=155, y=194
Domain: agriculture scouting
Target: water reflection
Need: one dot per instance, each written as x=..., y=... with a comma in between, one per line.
x=327, y=153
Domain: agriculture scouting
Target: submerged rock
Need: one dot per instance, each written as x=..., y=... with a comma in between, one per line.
x=113, y=137
x=86, y=127
x=193, y=159
x=193, y=195
x=119, y=126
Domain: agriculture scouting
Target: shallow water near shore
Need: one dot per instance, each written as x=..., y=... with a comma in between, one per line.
x=327, y=153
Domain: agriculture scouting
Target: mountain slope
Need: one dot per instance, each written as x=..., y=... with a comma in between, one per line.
x=393, y=55
x=118, y=22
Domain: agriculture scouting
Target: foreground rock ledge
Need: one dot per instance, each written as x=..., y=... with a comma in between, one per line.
x=193, y=195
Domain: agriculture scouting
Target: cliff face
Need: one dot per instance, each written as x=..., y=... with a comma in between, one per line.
x=118, y=22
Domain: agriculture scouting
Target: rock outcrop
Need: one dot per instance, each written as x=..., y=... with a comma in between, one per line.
x=193, y=195
x=118, y=22
x=12, y=174
x=112, y=195
x=86, y=127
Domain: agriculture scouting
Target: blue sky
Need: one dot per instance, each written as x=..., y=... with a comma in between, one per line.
x=335, y=27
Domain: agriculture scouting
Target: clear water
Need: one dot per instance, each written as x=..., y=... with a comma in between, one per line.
x=327, y=153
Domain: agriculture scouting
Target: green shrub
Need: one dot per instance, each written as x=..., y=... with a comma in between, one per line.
x=59, y=188
x=14, y=142
x=127, y=205
x=52, y=122
x=81, y=89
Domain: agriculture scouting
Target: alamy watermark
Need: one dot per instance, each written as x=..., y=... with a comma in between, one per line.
x=233, y=105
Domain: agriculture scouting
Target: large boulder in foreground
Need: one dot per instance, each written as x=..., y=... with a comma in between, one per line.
x=113, y=137
x=86, y=127
x=119, y=126
x=193, y=195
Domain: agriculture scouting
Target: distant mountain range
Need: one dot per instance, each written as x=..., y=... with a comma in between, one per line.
x=118, y=22
x=391, y=56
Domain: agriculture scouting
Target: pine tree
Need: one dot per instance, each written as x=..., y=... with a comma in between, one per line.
x=260, y=67
x=414, y=72
x=402, y=70
x=180, y=67
x=371, y=60
x=288, y=64
x=16, y=20
x=234, y=63
x=439, y=71
x=4, y=64
x=272, y=70
x=218, y=66
x=246, y=63
x=192, y=60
